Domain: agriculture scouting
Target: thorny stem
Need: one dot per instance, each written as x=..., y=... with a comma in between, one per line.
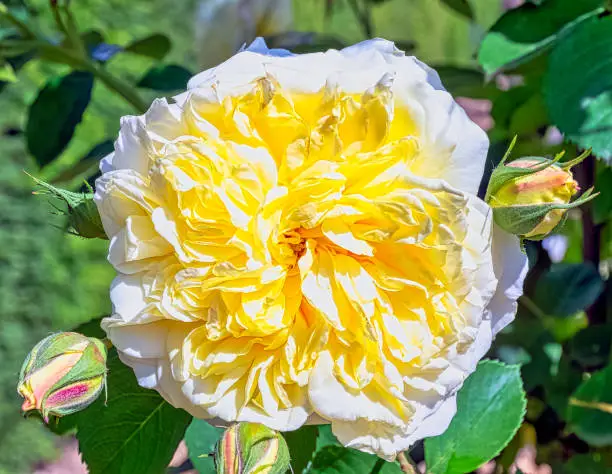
x=407, y=465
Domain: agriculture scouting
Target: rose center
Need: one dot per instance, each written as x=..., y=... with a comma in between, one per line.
x=292, y=246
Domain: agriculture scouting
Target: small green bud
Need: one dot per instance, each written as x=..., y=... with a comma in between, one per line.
x=531, y=196
x=83, y=216
x=250, y=448
x=63, y=374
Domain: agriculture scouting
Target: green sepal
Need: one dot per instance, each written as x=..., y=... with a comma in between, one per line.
x=83, y=216
x=504, y=173
x=521, y=220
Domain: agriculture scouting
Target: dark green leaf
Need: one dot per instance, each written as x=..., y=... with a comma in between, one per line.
x=460, y=6
x=590, y=409
x=201, y=438
x=326, y=437
x=578, y=86
x=302, y=445
x=165, y=78
x=135, y=432
x=581, y=284
x=526, y=32
x=156, y=46
x=339, y=460
x=490, y=408
x=591, y=346
x=55, y=113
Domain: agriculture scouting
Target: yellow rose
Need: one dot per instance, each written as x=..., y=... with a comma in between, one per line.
x=298, y=240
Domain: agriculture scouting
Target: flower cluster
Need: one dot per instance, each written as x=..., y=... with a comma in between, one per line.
x=298, y=240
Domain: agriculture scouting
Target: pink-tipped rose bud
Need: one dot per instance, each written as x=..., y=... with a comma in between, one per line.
x=250, y=448
x=64, y=373
x=530, y=196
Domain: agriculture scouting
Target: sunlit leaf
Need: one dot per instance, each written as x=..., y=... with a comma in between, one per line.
x=590, y=409
x=201, y=438
x=490, y=408
x=578, y=86
x=526, y=32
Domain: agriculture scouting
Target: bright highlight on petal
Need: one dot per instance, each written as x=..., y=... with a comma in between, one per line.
x=298, y=238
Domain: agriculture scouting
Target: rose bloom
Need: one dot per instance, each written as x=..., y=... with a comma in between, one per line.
x=298, y=240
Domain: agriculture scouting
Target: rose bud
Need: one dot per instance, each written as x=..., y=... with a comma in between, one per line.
x=250, y=448
x=83, y=217
x=530, y=196
x=63, y=374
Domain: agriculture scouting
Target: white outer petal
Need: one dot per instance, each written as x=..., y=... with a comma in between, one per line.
x=511, y=267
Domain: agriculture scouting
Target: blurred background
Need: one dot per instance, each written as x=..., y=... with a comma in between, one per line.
x=50, y=281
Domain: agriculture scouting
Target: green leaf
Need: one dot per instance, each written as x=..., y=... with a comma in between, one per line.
x=201, y=438
x=590, y=409
x=326, y=437
x=490, y=408
x=135, y=432
x=460, y=6
x=302, y=445
x=578, y=86
x=340, y=460
x=165, y=78
x=529, y=30
x=156, y=46
x=581, y=284
x=55, y=113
